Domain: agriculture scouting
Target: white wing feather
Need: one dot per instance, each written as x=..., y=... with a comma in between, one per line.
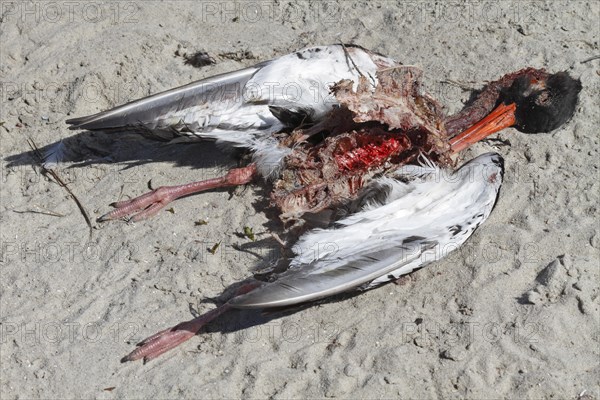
x=414, y=226
x=233, y=108
x=233, y=105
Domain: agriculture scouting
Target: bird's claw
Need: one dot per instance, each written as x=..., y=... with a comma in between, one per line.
x=165, y=340
x=139, y=208
x=160, y=343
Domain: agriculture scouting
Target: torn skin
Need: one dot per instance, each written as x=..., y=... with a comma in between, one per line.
x=384, y=130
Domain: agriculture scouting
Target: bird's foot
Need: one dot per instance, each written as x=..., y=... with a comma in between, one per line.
x=147, y=205
x=165, y=340
x=141, y=207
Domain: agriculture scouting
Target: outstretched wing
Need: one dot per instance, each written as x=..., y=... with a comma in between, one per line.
x=322, y=278
x=234, y=106
x=413, y=225
x=167, y=108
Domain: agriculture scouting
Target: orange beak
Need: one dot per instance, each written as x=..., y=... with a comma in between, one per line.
x=501, y=117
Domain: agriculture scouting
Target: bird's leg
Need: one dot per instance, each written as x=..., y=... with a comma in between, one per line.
x=163, y=341
x=168, y=339
x=150, y=203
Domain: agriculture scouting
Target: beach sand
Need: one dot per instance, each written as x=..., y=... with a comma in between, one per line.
x=513, y=314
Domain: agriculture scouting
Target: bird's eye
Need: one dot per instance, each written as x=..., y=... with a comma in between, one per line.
x=543, y=98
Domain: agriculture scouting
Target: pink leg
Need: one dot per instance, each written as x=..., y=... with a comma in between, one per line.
x=163, y=341
x=168, y=339
x=149, y=204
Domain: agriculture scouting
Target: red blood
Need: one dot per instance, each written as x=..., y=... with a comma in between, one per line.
x=369, y=151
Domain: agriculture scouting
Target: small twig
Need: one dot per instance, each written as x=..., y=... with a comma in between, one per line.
x=461, y=85
x=44, y=212
x=590, y=59
x=61, y=183
x=398, y=66
x=120, y=196
x=238, y=55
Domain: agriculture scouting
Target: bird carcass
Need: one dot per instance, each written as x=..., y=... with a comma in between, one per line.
x=371, y=133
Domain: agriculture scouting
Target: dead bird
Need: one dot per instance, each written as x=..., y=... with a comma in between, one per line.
x=257, y=108
x=342, y=128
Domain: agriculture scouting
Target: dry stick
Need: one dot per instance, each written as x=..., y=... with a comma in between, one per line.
x=61, y=183
x=51, y=213
x=589, y=59
x=458, y=84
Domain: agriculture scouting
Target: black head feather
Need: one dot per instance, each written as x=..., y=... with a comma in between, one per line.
x=542, y=105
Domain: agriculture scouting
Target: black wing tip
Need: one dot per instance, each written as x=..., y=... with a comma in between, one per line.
x=74, y=126
x=80, y=122
x=74, y=121
x=95, y=122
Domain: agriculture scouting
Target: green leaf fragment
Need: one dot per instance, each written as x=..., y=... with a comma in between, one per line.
x=249, y=234
x=213, y=249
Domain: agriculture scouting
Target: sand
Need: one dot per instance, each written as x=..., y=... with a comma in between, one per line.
x=512, y=314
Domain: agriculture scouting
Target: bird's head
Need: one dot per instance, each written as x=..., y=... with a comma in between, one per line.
x=534, y=102
x=542, y=105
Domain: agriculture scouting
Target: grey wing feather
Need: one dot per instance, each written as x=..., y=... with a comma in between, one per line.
x=150, y=111
x=409, y=228
x=299, y=285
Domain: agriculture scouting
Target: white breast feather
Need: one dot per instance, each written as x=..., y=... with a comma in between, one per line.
x=426, y=206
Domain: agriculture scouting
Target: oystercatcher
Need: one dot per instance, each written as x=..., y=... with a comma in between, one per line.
x=246, y=108
x=402, y=217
